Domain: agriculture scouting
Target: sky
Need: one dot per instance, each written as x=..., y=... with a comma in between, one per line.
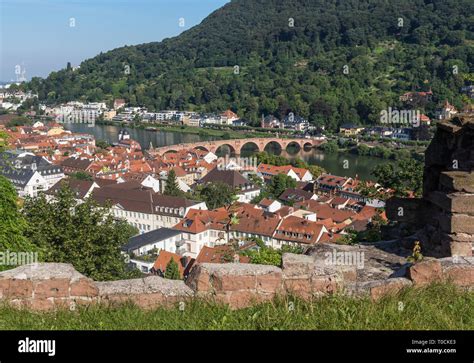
x=41, y=36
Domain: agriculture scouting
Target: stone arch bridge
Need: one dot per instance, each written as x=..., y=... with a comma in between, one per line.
x=237, y=145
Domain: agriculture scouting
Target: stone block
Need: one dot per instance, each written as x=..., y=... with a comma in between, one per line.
x=388, y=287
x=455, y=203
x=425, y=272
x=461, y=248
x=456, y=223
x=299, y=287
x=84, y=287
x=13, y=288
x=460, y=274
x=199, y=279
x=52, y=288
x=224, y=282
x=324, y=284
x=269, y=283
x=297, y=265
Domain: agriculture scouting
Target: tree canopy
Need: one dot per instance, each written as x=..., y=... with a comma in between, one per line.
x=171, y=187
x=83, y=234
x=12, y=223
x=172, y=271
x=215, y=195
x=329, y=61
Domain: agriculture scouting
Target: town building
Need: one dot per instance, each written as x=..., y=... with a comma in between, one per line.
x=245, y=190
x=268, y=171
x=142, y=207
x=351, y=129
x=29, y=173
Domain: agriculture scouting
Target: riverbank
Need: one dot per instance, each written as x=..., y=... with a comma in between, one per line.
x=382, y=149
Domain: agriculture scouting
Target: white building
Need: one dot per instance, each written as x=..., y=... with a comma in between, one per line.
x=143, y=208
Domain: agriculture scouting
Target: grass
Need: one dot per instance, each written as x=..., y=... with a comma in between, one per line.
x=437, y=306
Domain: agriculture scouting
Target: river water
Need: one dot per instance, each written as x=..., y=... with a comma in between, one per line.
x=342, y=164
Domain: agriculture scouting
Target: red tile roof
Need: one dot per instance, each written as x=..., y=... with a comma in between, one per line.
x=219, y=254
x=299, y=230
x=164, y=258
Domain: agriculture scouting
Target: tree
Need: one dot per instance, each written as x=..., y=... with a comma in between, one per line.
x=406, y=176
x=102, y=144
x=172, y=188
x=12, y=223
x=172, y=270
x=18, y=121
x=316, y=171
x=216, y=195
x=279, y=183
x=3, y=141
x=265, y=255
x=81, y=175
x=84, y=234
x=371, y=191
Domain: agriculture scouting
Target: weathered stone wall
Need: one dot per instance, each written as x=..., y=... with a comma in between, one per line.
x=46, y=286
x=445, y=216
x=49, y=286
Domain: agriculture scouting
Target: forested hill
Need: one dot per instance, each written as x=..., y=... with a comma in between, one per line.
x=341, y=61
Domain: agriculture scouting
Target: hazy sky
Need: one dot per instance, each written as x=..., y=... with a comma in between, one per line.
x=36, y=34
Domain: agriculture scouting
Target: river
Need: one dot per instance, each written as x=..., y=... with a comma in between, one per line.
x=342, y=164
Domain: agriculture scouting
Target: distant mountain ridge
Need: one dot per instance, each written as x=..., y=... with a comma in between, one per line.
x=328, y=60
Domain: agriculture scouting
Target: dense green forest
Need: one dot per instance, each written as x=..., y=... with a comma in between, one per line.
x=332, y=61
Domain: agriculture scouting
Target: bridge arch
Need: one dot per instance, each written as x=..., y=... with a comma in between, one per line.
x=201, y=147
x=170, y=151
x=273, y=145
x=247, y=144
x=291, y=144
x=225, y=147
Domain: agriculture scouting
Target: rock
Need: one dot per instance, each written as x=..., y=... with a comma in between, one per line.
x=236, y=283
x=148, y=293
x=425, y=272
x=52, y=288
x=461, y=248
x=388, y=287
x=49, y=282
x=376, y=289
x=11, y=288
x=298, y=265
x=43, y=271
x=458, y=270
x=151, y=284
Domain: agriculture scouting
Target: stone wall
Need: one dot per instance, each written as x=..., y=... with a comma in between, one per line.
x=444, y=217
x=48, y=286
